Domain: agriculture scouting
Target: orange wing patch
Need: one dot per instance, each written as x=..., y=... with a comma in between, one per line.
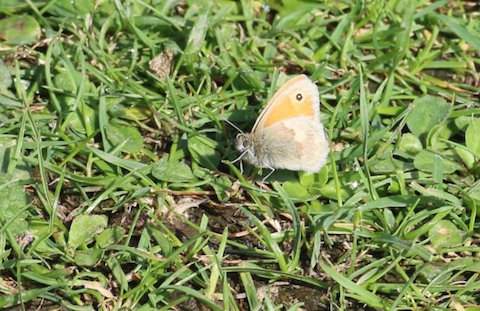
x=286, y=85
x=296, y=104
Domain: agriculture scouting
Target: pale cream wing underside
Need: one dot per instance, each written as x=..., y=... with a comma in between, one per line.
x=297, y=144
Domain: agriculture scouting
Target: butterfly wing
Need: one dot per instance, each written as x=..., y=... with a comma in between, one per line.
x=298, y=97
x=297, y=144
x=288, y=132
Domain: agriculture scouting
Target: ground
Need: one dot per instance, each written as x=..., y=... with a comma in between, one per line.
x=117, y=135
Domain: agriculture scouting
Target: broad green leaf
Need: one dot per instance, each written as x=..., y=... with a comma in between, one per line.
x=13, y=199
x=424, y=162
x=389, y=165
x=330, y=191
x=19, y=29
x=221, y=186
x=118, y=133
x=437, y=136
x=5, y=77
x=462, y=122
x=7, y=149
x=88, y=257
x=445, y=234
x=474, y=192
x=12, y=6
x=467, y=157
x=472, y=137
x=40, y=230
x=162, y=240
x=82, y=117
x=70, y=81
x=135, y=113
x=296, y=191
x=85, y=119
x=428, y=111
x=203, y=151
x=318, y=207
x=431, y=272
x=84, y=228
x=313, y=181
x=72, y=9
x=410, y=143
x=172, y=171
x=110, y=236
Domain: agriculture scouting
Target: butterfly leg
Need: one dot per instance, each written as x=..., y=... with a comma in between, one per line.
x=240, y=156
x=269, y=174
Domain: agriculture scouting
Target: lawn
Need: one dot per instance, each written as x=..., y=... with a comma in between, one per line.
x=117, y=135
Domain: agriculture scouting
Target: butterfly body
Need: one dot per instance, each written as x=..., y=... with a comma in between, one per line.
x=288, y=133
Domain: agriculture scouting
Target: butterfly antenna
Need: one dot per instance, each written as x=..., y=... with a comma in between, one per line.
x=233, y=125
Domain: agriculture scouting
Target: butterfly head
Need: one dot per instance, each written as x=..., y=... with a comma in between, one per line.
x=243, y=143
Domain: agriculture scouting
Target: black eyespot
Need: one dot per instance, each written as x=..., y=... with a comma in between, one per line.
x=299, y=97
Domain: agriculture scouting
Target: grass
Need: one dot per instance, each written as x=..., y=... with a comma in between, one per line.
x=116, y=187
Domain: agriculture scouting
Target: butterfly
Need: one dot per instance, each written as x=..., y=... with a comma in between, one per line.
x=288, y=133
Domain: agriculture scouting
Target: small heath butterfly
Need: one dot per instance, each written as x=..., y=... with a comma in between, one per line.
x=288, y=133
